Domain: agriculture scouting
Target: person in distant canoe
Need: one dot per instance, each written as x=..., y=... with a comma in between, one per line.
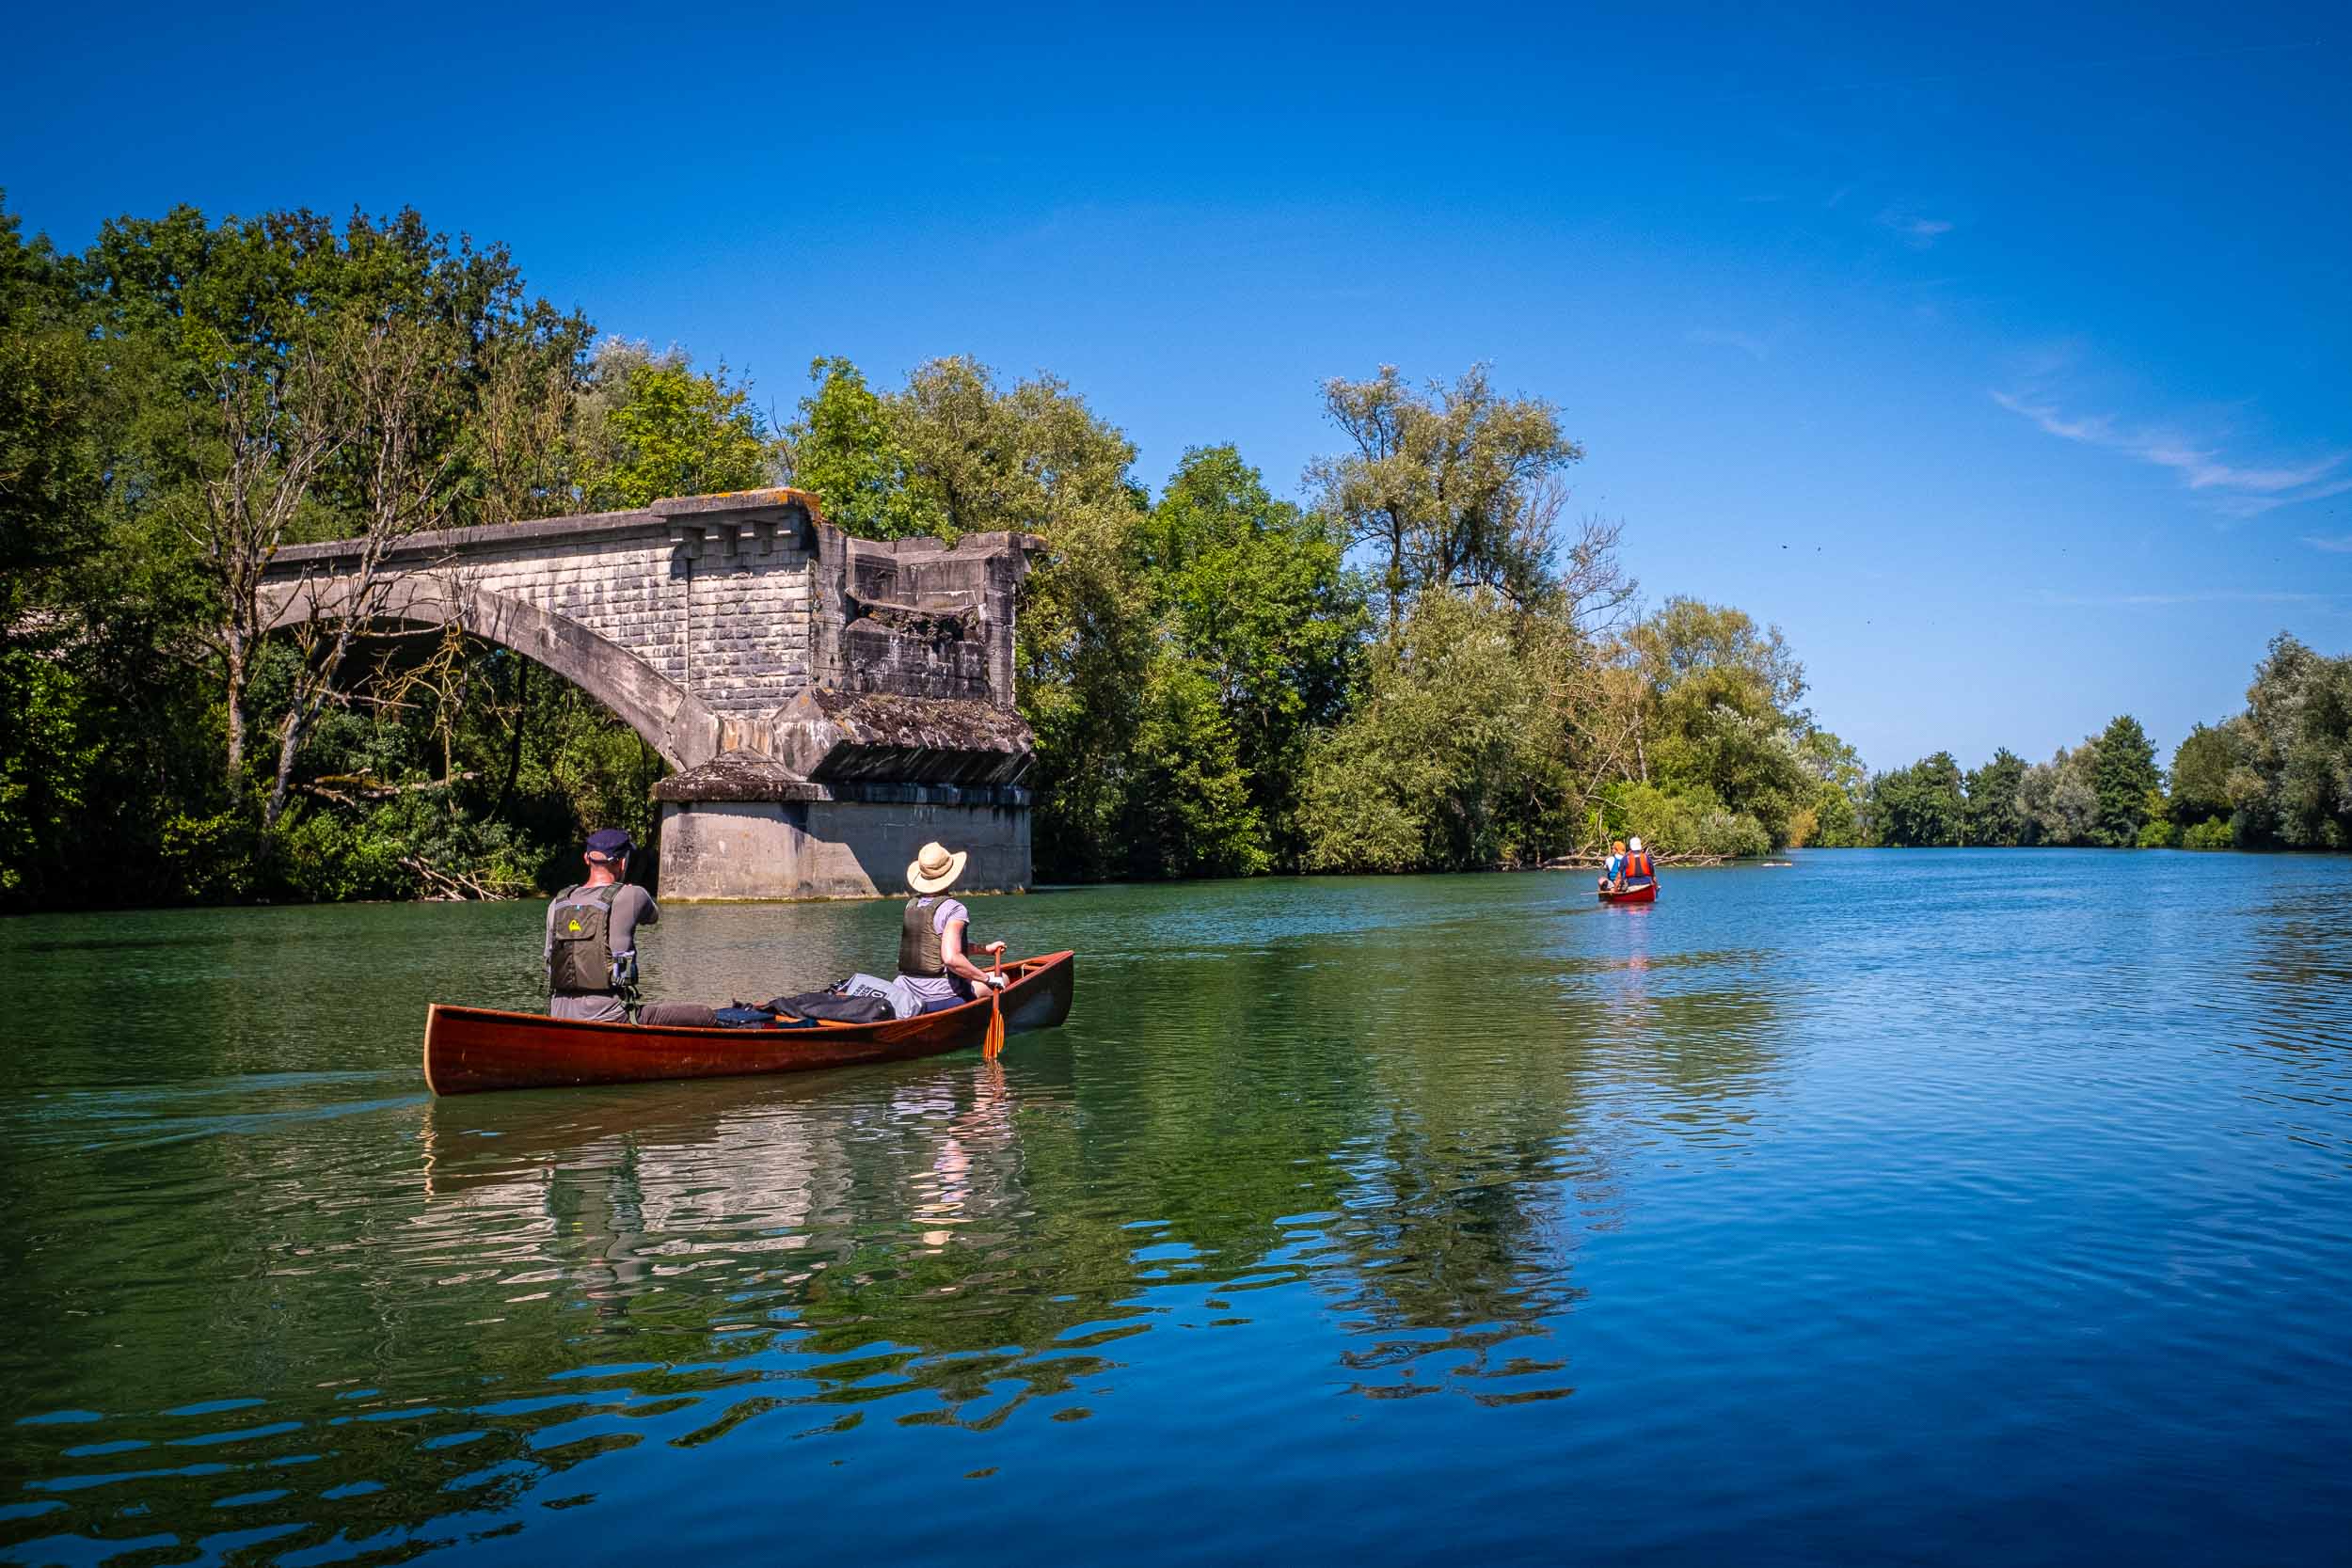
x=935, y=942
x=1612, y=869
x=1638, y=867
x=592, y=936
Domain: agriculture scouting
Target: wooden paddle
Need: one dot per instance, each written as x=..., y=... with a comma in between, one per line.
x=994, y=1044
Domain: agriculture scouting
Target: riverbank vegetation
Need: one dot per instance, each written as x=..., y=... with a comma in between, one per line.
x=2275, y=776
x=1429, y=660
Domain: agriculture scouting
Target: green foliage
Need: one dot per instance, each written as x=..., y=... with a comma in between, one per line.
x=1720, y=699
x=2058, y=800
x=845, y=446
x=1922, y=804
x=1837, y=818
x=2124, y=775
x=655, y=427
x=2212, y=833
x=1254, y=596
x=1447, y=485
x=1453, y=756
x=2159, y=834
x=2295, y=785
x=1994, y=816
x=2202, y=767
x=47, y=760
x=1691, y=822
x=1187, y=811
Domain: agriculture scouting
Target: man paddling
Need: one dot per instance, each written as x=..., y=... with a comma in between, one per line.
x=592, y=936
x=1638, y=868
x=933, y=962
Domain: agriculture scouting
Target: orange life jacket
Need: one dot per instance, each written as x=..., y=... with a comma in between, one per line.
x=1638, y=867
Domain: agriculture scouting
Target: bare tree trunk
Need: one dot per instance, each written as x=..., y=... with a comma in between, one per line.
x=398, y=376
x=278, y=420
x=515, y=739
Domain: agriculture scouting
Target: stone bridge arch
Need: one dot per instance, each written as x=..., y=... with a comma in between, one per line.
x=679, y=725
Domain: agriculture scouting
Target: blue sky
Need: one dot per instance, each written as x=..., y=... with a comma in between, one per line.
x=2000, y=356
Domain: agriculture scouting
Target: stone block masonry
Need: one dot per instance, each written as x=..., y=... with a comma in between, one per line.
x=867, y=687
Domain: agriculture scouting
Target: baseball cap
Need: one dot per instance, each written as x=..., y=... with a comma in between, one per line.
x=610, y=844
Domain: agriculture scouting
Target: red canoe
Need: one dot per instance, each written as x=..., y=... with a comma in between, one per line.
x=1640, y=892
x=468, y=1050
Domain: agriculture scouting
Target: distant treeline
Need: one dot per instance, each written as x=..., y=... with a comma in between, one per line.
x=2277, y=775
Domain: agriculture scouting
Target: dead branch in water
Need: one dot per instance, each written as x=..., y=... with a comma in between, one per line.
x=438, y=884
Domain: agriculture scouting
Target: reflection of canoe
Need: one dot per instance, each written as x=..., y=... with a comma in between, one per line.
x=1639, y=893
x=470, y=1049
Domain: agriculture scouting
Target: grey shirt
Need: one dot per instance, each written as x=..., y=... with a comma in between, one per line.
x=632, y=906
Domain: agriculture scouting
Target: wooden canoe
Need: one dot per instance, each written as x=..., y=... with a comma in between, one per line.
x=1640, y=892
x=468, y=1050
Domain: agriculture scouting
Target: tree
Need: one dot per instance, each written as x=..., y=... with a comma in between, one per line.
x=1835, y=818
x=1720, y=703
x=1456, y=756
x=1922, y=804
x=51, y=463
x=2059, y=799
x=2296, y=784
x=653, y=426
x=845, y=446
x=2124, y=773
x=395, y=391
x=1993, y=818
x=1447, y=486
x=1254, y=596
x=2202, y=766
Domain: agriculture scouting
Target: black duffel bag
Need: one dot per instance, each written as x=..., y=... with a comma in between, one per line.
x=833, y=1006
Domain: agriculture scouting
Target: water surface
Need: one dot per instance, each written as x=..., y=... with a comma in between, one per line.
x=1925, y=1207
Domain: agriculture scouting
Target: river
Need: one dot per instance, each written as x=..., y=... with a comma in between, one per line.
x=1935, y=1207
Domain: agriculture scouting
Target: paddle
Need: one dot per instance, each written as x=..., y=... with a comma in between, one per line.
x=995, y=1043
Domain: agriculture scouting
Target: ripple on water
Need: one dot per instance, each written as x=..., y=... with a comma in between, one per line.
x=1859, y=1210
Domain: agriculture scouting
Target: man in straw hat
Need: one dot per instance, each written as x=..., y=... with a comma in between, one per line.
x=932, y=948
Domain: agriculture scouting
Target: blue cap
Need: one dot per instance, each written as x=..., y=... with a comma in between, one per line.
x=610, y=844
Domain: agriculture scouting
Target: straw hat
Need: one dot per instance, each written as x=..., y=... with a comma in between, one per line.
x=934, y=868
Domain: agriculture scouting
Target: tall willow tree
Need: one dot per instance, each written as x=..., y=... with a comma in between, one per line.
x=1445, y=484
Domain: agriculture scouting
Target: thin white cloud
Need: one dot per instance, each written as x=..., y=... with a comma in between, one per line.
x=2234, y=489
x=2340, y=545
x=1746, y=342
x=2158, y=601
x=1916, y=231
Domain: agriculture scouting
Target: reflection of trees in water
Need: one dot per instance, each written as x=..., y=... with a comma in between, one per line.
x=1419, y=1135
x=1507, y=1083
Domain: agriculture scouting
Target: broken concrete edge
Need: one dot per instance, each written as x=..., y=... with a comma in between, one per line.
x=912, y=724
x=750, y=778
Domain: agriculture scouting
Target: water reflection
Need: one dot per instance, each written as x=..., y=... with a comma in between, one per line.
x=1309, y=1160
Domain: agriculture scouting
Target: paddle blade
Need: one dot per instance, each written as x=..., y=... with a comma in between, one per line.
x=995, y=1043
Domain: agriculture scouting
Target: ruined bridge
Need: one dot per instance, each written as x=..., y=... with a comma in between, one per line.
x=831, y=703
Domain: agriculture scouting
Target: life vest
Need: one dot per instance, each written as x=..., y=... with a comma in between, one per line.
x=579, y=950
x=1638, y=867
x=918, y=941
